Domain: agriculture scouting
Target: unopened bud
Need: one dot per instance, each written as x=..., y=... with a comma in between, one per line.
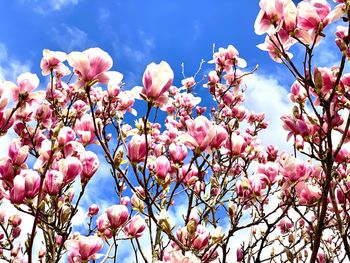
x=231, y=209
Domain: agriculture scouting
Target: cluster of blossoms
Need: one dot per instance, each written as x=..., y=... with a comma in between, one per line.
x=187, y=179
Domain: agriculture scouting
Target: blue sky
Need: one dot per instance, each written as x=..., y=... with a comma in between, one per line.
x=135, y=33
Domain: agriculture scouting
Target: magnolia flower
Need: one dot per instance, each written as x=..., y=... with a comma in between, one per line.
x=137, y=149
x=84, y=248
x=90, y=65
x=135, y=227
x=157, y=79
x=52, y=60
x=117, y=216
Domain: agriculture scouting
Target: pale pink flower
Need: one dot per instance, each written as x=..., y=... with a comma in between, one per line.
x=308, y=193
x=219, y=138
x=294, y=169
x=84, y=248
x=65, y=135
x=90, y=165
x=26, y=83
x=162, y=167
x=270, y=16
x=315, y=13
x=137, y=149
x=32, y=183
x=90, y=65
x=117, y=216
x=298, y=93
x=272, y=46
x=177, y=152
x=17, y=193
x=157, y=79
x=114, y=83
x=188, y=82
x=52, y=60
x=176, y=256
x=53, y=182
x=201, y=238
x=188, y=174
x=135, y=227
x=270, y=169
x=18, y=152
x=84, y=127
x=236, y=144
x=70, y=167
x=200, y=131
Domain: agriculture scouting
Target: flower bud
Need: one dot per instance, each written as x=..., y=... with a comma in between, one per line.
x=93, y=210
x=117, y=216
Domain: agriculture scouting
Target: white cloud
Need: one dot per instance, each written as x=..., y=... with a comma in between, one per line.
x=196, y=29
x=265, y=94
x=11, y=67
x=69, y=37
x=48, y=6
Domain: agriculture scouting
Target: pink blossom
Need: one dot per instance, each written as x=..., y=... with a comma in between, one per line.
x=270, y=169
x=272, y=45
x=201, y=238
x=137, y=149
x=188, y=82
x=177, y=152
x=6, y=170
x=135, y=227
x=70, y=167
x=285, y=225
x=32, y=183
x=236, y=144
x=53, y=182
x=162, y=167
x=157, y=79
x=188, y=174
x=18, y=152
x=117, y=216
x=83, y=248
x=26, y=83
x=17, y=193
x=52, y=60
x=294, y=169
x=270, y=16
x=308, y=193
x=220, y=136
x=90, y=65
x=93, y=210
x=315, y=13
x=239, y=254
x=65, y=135
x=84, y=127
x=298, y=93
x=114, y=83
x=90, y=165
x=176, y=256
x=200, y=129
x=225, y=58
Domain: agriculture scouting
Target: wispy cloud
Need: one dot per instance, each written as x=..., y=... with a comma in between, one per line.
x=196, y=29
x=136, y=52
x=11, y=67
x=265, y=94
x=48, y=6
x=69, y=37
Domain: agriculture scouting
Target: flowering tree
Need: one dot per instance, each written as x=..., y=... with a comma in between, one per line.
x=196, y=186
